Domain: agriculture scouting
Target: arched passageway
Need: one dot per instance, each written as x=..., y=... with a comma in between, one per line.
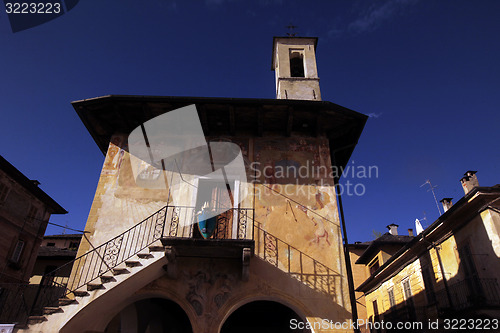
x=263, y=317
x=152, y=315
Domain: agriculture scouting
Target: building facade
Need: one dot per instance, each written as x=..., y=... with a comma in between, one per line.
x=448, y=271
x=274, y=260
x=54, y=252
x=24, y=213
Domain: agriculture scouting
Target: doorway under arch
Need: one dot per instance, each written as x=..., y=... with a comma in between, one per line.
x=263, y=317
x=152, y=315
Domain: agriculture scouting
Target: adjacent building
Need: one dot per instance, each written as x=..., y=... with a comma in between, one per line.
x=450, y=270
x=24, y=213
x=54, y=252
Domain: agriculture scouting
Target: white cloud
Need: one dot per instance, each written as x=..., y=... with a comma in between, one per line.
x=376, y=14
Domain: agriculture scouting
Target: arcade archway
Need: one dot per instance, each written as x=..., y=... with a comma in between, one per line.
x=152, y=315
x=263, y=317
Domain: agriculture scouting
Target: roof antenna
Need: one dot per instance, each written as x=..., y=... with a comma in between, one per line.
x=291, y=27
x=432, y=190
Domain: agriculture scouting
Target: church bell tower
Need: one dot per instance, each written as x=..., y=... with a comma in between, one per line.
x=294, y=62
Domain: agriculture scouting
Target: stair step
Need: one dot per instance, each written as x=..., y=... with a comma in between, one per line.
x=132, y=263
x=156, y=248
x=36, y=319
x=80, y=293
x=119, y=270
x=94, y=286
x=21, y=326
x=144, y=255
x=51, y=309
x=107, y=278
x=66, y=301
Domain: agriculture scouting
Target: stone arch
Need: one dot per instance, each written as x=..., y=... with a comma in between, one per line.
x=261, y=313
x=151, y=314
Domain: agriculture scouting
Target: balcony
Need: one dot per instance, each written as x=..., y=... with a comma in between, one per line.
x=469, y=294
x=232, y=237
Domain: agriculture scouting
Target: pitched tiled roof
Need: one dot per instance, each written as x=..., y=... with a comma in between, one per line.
x=375, y=245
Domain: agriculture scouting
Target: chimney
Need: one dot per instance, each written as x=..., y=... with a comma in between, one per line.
x=393, y=229
x=410, y=232
x=469, y=181
x=446, y=203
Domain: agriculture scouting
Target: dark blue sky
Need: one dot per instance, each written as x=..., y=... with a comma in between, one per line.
x=427, y=73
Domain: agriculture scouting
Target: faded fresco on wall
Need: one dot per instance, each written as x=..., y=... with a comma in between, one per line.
x=295, y=205
x=296, y=226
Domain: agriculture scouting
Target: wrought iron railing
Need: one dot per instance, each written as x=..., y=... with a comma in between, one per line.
x=19, y=301
x=31, y=299
x=234, y=223
x=471, y=292
x=107, y=256
x=298, y=264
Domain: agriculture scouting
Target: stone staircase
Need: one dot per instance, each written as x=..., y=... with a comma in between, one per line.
x=55, y=317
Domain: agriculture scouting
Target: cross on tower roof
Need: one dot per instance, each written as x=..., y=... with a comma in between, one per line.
x=291, y=27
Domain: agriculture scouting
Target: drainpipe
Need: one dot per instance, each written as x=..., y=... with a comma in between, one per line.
x=350, y=280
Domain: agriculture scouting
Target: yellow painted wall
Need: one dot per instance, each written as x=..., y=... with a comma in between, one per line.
x=480, y=234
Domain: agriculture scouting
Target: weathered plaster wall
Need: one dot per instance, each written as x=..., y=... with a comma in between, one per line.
x=296, y=228
x=299, y=88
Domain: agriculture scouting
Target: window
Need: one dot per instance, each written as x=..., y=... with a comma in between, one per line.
x=375, y=311
x=214, y=207
x=392, y=300
x=73, y=246
x=374, y=265
x=4, y=190
x=410, y=306
x=51, y=244
x=16, y=255
x=32, y=212
x=407, y=289
x=297, y=63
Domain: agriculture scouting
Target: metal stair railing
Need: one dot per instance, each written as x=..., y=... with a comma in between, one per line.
x=98, y=261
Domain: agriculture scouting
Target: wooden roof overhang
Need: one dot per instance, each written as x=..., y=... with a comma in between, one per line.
x=107, y=115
